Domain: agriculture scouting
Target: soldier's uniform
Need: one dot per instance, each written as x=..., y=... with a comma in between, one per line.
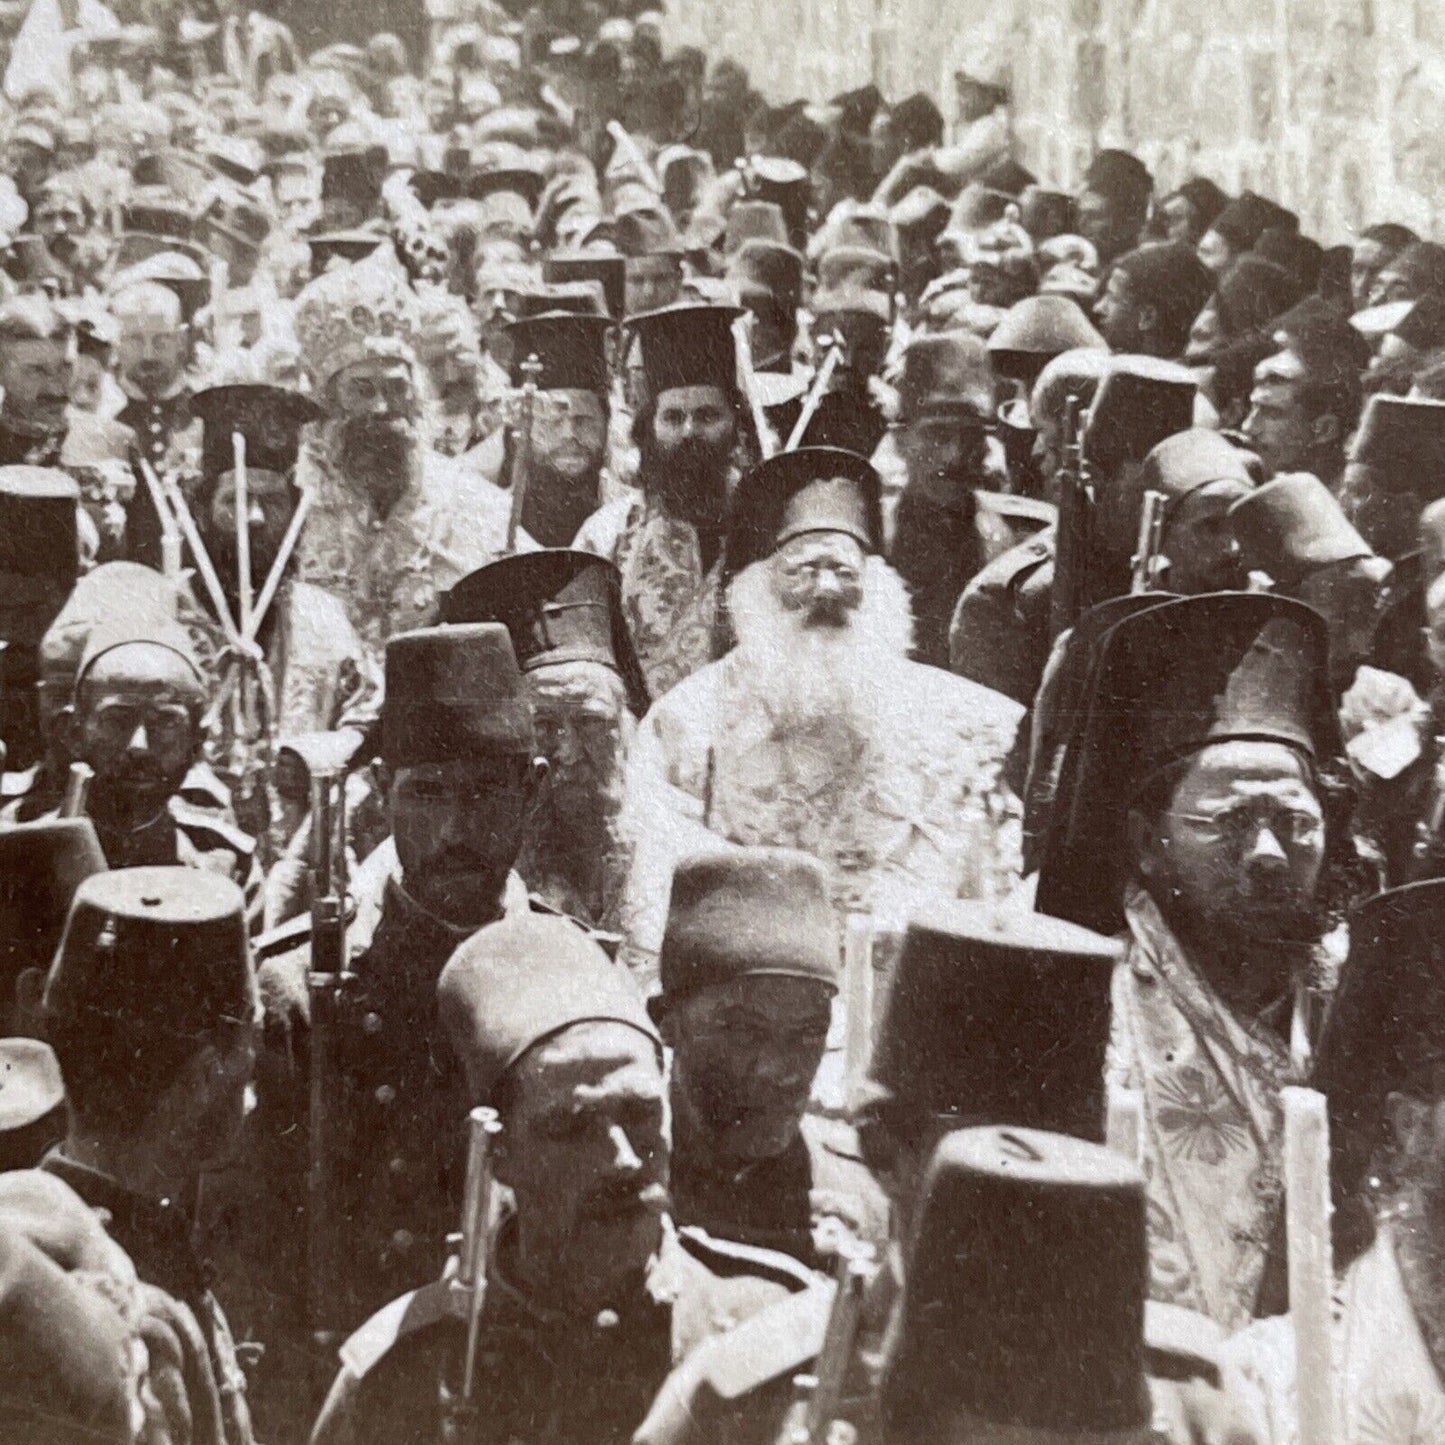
x=121, y=923
x=546, y=1373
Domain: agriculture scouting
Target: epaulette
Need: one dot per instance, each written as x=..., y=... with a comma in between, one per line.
x=1017, y=508
x=728, y=1259
x=282, y=939
x=417, y=1310
x=202, y=825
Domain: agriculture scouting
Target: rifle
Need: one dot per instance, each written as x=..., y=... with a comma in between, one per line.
x=823, y=1389
x=522, y=456
x=328, y=984
x=1074, y=536
x=77, y=790
x=1147, y=563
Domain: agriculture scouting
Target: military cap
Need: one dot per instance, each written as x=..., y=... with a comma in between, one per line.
x=1121, y=176
x=1386, y=1028
x=1171, y=681
x=41, y=866
x=161, y=947
x=741, y=912
x=558, y=606
x=571, y=348
x=269, y=417
x=156, y=213
x=785, y=184
x=1139, y=402
x=515, y=984
x=1044, y=213
x=345, y=246
x=354, y=175
x=851, y=299
x=113, y=587
x=687, y=346
x=854, y=223
x=179, y=268
x=1423, y=326
x=767, y=274
x=856, y=265
x=1169, y=276
x=947, y=370
x=38, y=523
x=996, y=1019
x=1374, y=322
x=1246, y=218
x=453, y=693
x=1402, y=442
x=1034, y=331
x=1292, y=526
x=67, y=1356
x=140, y=626
x=809, y=489
x=1023, y=1307
x=644, y=232
x=754, y=221
x=609, y=271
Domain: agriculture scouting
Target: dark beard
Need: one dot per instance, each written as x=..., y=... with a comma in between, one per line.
x=556, y=505
x=690, y=479
x=374, y=450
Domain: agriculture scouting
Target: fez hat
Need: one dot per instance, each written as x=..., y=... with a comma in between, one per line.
x=1246, y=218
x=1205, y=199
x=1139, y=402
x=1253, y=292
x=1034, y=331
x=996, y=1019
x=1292, y=526
x=609, y=271
x=41, y=866
x=747, y=911
x=949, y=369
x=1121, y=176
x=453, y=693
x=429, y=187
x=1402, y=441
x=687, y=346
x=1170, y=681
x=157, y=214
x=1044, y=213
x=348, y=246
x=238, y=217
x=38, y=523
x=269, y=417
x=809, y=489
x=1323, y=339
x=857, y=265
x=785, y=184
x=354, y=175
x=558, y=606
x=567, y=298
x=165, y=948
x=1386, y=1028
x=1023, y=1307
x=768, y=273
x=571, y=348
x=517, y=983
x=755, y=221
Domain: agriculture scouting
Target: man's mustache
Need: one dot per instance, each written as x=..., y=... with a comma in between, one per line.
x=615, y=1201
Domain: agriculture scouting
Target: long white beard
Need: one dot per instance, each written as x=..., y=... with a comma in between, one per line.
x=809, y=675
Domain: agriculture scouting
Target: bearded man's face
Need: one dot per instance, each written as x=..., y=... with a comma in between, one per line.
x=375, y=404
x=687, y=452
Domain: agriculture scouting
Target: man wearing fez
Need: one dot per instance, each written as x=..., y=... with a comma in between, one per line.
x=1198, y=828
x=563, y=612
x=152, y=1010
x=748, y=972
x=39, y=563
x=37, y=365
x=999, y=635
x=1113, y=206
x=667, y=539
x=135, y=718
x=392, y=524
x=817, y=732
x=593, y=1293
x=571, y=418
x=459, y=769
x=1379, y=1067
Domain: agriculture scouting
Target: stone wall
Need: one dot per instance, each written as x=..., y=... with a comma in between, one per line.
x=1336, y=107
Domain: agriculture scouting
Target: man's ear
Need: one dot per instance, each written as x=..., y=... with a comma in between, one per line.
x=1325, y=429
x=1146, y=319
x=1146, y=848
x=661, y=1015
x=532, y=781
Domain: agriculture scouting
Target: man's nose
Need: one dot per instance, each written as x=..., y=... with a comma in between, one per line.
x=139, y=740
x=565, y=750
x=255, y=514
x=827, y=586
x=1266, y=852
x=625, y=1159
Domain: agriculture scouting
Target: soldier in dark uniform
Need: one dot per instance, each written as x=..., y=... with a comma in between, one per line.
x=592, y=1293
x=563, y=610
x=749, y=968
x=151, y=1007
x=999, y=635
x=460, y=771
x=153, y=353
x=39, y=562
x=37, y=365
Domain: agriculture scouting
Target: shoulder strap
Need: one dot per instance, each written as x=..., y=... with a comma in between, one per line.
x=729, y=1259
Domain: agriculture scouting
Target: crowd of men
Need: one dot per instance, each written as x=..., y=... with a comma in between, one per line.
x=679, y=768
